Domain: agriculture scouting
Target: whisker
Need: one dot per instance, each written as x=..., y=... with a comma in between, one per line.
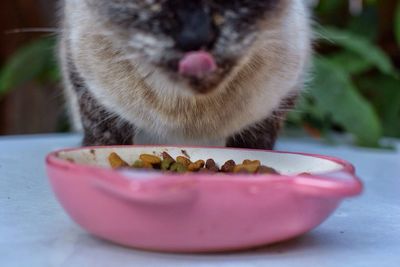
x=33, y=30
x=125, y=58
x=288, y=110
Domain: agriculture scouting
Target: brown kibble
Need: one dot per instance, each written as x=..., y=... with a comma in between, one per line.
x=251, y=162
x=140, y=164
x=184, y=164
x=183, y=160
x=228, y=166
x=200, y=163
x=250, y=168
x=196, y=166
x=192, y=167
x=153, y=160
x=266, y=170
x=239, y=168
x=116, y=161
x=214, y=169
x=210, y=163
x=147, y=165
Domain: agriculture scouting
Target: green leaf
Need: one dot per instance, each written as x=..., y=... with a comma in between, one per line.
x=384, y=93
x=30, y=62
x=307, y=110
x=336, y=95
x=397, y=24
x=330, y=6
x=350, y=62
x=359, y=45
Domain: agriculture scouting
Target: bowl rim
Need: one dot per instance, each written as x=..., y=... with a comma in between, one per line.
x=329, y=183
x=52, y=158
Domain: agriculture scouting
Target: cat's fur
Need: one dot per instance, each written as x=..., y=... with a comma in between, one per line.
x=119, y=59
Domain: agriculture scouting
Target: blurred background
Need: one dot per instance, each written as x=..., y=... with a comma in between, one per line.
x=354, y=90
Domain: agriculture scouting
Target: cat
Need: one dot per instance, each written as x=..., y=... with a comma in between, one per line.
x=200, y=72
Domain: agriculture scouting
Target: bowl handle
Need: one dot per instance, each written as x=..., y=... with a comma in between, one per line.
x=339, y=183
x=165, y=191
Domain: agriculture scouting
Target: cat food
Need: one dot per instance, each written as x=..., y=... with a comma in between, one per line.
x=183, y=164
x=116, y=162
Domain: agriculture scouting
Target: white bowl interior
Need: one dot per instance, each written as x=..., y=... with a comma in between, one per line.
x=284, y=163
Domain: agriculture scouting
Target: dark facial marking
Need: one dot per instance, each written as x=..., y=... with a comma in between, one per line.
x=265, y=133
x=193, y=24
x=194, y=28
x=225, y=28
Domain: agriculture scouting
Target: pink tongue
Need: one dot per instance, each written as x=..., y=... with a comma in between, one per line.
x=197, y=64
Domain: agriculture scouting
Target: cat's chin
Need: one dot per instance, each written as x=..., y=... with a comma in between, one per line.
x=206, y=84
x=199, y=85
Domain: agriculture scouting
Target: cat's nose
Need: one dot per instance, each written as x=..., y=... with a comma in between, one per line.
x=196, y=32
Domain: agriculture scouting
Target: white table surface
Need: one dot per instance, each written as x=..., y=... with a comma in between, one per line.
x=35, y=231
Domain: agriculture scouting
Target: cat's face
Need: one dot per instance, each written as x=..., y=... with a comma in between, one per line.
x=168, y=34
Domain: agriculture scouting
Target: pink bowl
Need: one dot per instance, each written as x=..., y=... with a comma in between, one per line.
x=199, y=212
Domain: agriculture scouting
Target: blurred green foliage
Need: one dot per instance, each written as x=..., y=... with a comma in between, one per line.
x=34, y=61
x=354, y=86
